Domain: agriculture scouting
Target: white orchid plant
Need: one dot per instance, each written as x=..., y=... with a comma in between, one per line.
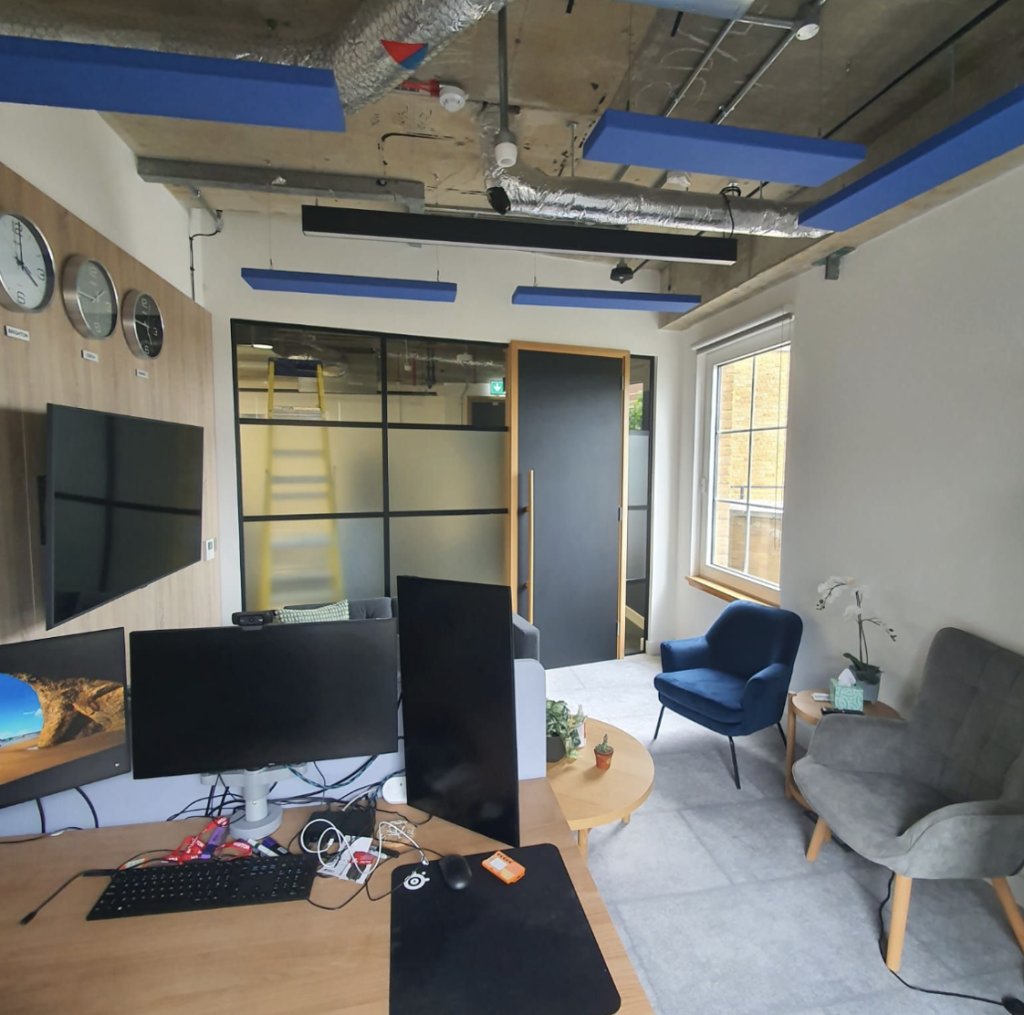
x=830, y=591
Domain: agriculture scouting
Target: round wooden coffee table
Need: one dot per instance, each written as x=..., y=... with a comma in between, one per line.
x=803, y=706
x=590, y=797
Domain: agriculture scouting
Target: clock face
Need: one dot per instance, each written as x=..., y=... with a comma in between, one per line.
x=89, y=297
x=26, y=266
x=143, y=325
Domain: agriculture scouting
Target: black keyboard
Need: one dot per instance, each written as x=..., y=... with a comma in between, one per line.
x=206, y=884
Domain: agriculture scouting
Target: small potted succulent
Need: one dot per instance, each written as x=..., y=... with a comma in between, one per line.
x=603, y=754
x=564, y=731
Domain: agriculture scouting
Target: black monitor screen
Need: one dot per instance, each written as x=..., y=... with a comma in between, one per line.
x=124, y=505
x=223, y=698
x=62, y=716
x=459, y=704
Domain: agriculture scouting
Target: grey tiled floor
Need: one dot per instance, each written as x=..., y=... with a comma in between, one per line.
x=719, y=909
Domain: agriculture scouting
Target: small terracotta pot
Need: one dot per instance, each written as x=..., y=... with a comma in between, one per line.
x=604, y=761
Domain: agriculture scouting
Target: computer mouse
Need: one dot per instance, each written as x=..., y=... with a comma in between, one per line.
x=455, y=871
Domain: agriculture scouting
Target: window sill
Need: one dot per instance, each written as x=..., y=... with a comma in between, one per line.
x=726, y=593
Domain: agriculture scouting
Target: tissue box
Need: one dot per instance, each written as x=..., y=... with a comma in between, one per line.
x=846, y=697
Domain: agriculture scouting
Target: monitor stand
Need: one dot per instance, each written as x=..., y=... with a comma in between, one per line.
x=260, y=817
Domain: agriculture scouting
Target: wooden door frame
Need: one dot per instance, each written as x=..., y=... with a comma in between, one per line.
x=512, y=394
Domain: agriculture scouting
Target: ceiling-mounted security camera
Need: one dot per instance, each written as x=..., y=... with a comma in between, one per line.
x=622, y=273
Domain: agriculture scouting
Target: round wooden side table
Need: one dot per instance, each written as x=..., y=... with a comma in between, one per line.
x=803, y=706
x=590, y=797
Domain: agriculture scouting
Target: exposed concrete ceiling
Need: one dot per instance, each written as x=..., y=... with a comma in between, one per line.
x=568, y=69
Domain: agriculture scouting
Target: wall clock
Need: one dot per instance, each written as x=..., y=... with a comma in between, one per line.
x=26, y=266
x=143, y=325
x=90, y=297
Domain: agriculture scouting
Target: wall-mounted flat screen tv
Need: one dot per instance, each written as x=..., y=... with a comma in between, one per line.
x=123, y=506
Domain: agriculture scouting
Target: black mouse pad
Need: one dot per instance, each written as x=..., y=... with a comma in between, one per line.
x=519, y=949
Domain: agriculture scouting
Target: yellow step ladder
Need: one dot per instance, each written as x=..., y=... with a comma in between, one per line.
x=286, y=574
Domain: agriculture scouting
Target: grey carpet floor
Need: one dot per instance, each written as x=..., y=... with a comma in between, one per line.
x=720, y=911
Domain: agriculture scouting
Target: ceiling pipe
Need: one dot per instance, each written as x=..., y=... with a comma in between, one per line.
x=363, y=68
x=506, y=151
x=605, y=203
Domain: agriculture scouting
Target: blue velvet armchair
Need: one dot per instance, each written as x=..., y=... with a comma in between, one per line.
x=735, y=678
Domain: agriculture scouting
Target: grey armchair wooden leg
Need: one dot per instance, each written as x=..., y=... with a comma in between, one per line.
x=661, y=715
x=898, y=921
x=1011, y=909
x=822, y=834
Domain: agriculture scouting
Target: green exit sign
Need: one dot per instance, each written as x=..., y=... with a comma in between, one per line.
x=498, y=387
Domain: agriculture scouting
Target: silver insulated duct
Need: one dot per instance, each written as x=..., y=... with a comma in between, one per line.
x=600, y=202
x=362, y=67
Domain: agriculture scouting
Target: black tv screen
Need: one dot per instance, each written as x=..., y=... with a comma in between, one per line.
x=124, y=499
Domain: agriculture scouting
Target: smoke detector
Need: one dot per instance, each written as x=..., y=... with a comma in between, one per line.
x=452, y=98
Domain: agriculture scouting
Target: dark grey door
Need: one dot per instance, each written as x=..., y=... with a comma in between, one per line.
x=570, y=425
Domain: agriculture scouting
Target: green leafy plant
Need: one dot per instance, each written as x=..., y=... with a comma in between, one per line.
x=566, y=726
x=636, y=413
x=604, y=747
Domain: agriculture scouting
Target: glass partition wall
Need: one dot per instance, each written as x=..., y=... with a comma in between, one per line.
x=365, y=456
x=639, y=485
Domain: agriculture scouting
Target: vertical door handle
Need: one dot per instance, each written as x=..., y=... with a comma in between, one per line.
x=531, y=514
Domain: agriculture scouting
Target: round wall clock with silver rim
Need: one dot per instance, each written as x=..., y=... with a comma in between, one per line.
x=26, y=265
x=143, y=325
x=90, y=297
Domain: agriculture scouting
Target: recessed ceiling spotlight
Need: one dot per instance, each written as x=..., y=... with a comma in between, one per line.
x=262, y=345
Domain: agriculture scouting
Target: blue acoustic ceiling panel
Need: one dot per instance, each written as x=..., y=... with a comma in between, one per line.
x=116, y=80
x=602, y=299
x=636, y=139
x=317, y=284
x=992, y=131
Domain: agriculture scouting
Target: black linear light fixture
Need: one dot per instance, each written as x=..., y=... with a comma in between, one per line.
x=514, y=234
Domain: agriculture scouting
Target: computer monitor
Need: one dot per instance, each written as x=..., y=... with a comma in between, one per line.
x=62, y=714
x=233, y=701
x=459, y=703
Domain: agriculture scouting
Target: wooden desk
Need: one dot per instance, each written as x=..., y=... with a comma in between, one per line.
x=803, y=706
x=589, y=797
x=283, y=958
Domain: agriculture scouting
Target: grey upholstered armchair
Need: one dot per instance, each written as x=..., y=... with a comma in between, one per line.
x=941, y=796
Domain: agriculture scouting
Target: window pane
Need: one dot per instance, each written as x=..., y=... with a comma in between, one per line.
x=350, y=366
x=768, y=468
x=318, y=561
x=639, y=394
x=771, y=387
x=765, y=545
x=636, y=608
x=731, y=472
x=447, y=470
x=636, y=544
x=457, y=547
x=729, y=538
x=734, y=390
x=639, y=456
x=444, y=382
x=297, y=470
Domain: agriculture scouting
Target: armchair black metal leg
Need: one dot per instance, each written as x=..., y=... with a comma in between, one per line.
x=735, y=766
x=782, y=733
x=661, y=715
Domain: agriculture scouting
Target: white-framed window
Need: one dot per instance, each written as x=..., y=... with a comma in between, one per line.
x=743, y=459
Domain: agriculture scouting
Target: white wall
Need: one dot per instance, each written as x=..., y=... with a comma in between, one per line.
x=905, y=465
x=75, y=158
x=482, y=311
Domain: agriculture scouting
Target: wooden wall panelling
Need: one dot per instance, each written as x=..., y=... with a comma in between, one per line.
x=50, y=368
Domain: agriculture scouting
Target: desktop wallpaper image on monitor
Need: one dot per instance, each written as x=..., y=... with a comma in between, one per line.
x=62, y=714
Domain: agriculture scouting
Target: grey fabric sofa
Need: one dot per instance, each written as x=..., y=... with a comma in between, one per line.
x=941, y=796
